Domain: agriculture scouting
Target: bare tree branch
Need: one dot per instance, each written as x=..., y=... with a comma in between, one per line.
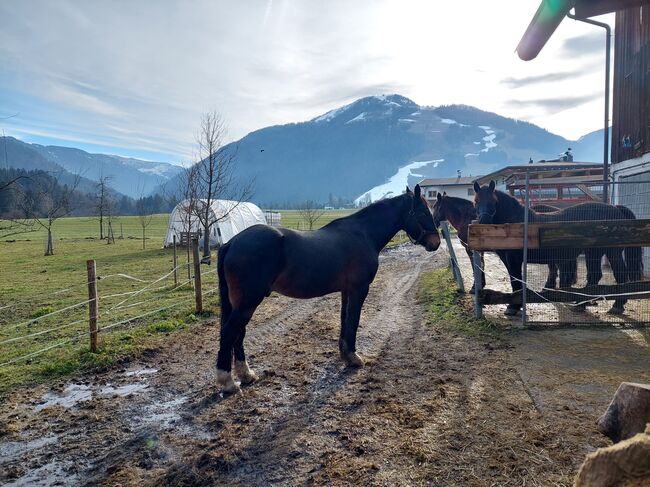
x=309, y=212
x=215, y=176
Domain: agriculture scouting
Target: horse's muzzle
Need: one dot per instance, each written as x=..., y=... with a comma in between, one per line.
x=432, y=242
x=486, y=219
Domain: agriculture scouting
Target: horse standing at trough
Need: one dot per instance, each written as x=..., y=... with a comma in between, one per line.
x=460, y=212
x=343, y=256
x=497, y=207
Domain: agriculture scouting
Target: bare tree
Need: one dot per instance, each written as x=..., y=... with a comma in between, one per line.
x=13, y=221
x=215, y=176
x=309, y=212
x=145, y=216
x=104, y=201
x=48, y=202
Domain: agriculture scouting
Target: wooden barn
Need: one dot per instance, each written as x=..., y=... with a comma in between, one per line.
x=558, y=184
x=630, y=151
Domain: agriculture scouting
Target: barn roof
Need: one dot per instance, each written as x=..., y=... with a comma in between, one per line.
x=548, y=169
x=449, y=181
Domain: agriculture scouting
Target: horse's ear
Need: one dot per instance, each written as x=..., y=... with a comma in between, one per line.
x=444, y=193
x=477, y=187
x=418, y=192
x=492, y=185
x=408, y=190
x=439, y=197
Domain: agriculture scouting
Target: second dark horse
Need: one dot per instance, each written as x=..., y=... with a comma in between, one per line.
x=343, y=256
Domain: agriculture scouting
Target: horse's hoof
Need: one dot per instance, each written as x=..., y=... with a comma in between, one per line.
x=616, y=311
x=511, y=311
x=354, y=360
x=244, y=373
x=224, y=378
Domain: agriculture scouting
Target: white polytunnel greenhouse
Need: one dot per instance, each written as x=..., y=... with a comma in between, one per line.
x=232, y=216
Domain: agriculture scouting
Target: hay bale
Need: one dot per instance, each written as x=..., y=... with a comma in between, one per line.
x=628, y=412
x=625, y=464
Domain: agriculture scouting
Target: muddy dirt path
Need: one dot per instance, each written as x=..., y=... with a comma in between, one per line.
x=428, y=408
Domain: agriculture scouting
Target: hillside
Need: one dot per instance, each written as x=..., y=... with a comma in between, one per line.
x=377, y=144
x=129, y=176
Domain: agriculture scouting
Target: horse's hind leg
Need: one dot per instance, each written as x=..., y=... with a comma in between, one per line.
x=347, y=343
x=230, y=333
x=620, y=274
x=242, y=370
x=552, y=276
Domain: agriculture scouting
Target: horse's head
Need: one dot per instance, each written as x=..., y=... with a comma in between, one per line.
x=485, y=202
x=440, y=209
x=419, y=224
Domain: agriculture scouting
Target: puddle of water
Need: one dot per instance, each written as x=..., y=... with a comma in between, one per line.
x=122, y=391
x=71, y=395
x=139, y=372
x=76, y=393
x=163, y=414
x=13, y=449
x=53, y=473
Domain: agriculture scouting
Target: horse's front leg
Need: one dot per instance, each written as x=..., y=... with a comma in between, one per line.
x=514, y=263
x=352, y=302
x=233, y=329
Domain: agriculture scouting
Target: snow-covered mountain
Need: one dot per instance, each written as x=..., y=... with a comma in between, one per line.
x=128, y=176
x=373, y=147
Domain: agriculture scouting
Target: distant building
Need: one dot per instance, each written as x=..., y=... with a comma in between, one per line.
x=460, y=187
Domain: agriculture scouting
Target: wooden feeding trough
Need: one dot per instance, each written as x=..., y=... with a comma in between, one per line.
x=564, y=235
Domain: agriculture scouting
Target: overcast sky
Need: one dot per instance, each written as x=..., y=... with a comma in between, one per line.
x=133, y=77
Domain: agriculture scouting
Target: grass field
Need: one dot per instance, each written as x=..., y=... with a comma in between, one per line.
x=33, y=286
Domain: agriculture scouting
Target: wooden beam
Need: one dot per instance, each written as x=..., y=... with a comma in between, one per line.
x=502, y=237
x=635, y=290
x=579, y=234
x=599, y=233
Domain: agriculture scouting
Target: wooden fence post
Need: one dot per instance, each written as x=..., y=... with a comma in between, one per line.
x=197, y=275
x=175, y=264
x=92, y=303
x=452, y=257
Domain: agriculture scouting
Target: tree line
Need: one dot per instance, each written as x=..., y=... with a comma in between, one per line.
x=30, y=200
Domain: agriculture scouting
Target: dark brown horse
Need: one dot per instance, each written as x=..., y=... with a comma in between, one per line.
x=460, y=212
x=498, y=207
x=343, y=256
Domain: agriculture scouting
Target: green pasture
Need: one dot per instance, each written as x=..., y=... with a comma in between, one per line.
x=33, y=286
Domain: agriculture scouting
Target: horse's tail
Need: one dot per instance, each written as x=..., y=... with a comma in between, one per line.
x=226, y=307
x=633, y=255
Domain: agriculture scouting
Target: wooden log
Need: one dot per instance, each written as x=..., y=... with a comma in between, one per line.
x=599, y=233
x=625, y=464
x=628, y=413
x=635, y=290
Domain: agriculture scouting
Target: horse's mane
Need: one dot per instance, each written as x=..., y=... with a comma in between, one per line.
x=371, y=210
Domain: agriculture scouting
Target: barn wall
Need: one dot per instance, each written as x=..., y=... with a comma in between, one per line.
x=631, y=108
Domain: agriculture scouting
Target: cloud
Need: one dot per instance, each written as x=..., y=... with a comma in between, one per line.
x=555, y=104
x=542, y=78
x=585, y=45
